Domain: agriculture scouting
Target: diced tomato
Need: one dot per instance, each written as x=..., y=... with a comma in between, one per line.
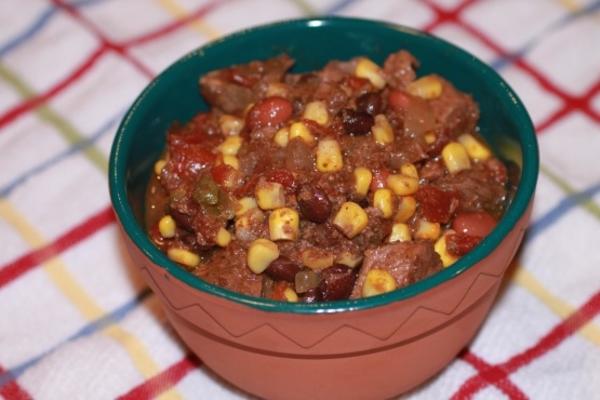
x=459, y=244
x=379, y=180
x=190, y=159
x=356, y=83
x=435, y=204
x=398, y=100
x=222, y=174
x=474, y=223
x=283, y=177
x=247, y=189
x=278, y=291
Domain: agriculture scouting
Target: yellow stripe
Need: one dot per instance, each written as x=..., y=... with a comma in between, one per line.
x=62, y=278
x=177, y=11
x=558, y=306
x=571, y=5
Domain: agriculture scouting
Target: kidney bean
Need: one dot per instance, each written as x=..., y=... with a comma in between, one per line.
x=474, y=223
x=356, y=122
x=337, y=282
x=435, y=204
x=314, y=203
x=460, y=244
x=268, y=112
x=370, y=103
x=306, y=280
x=398, y=100
x=283, y=269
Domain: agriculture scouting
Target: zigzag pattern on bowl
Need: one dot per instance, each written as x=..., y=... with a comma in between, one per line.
x=267, y=325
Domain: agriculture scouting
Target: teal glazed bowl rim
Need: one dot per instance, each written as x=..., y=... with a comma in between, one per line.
x=118, y=170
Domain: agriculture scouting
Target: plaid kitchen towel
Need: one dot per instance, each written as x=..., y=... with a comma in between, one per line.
x=76, y=321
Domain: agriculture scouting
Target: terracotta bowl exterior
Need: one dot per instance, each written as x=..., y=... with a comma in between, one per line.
x=361, y=349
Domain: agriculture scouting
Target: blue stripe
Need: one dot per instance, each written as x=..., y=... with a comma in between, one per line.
x=504, y=61
x=558, y=211
x=96, y=325
x=105, y=128
x=338, y=7
x=36, y=26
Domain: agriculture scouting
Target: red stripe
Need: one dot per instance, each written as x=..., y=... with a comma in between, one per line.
x=36, y=101
x=504, y=384
x=27, y=262
x=11, y=390
x=165, y=380
x=443, y=15
x=556, y=336
x=106, y=42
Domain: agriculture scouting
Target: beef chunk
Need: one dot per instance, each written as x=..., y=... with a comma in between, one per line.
x=232, y=89
x=227, y=268
x=407, y=262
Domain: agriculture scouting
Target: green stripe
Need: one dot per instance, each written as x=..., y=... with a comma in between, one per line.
x=587, y=204
x=306, y=8
x=65, y=128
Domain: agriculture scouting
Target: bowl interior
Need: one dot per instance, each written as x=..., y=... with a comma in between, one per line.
x=174, y=96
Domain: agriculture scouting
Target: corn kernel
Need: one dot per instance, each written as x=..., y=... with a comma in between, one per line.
x=362, y=180
x=261, y=253
x=158, y=166
x=455, y=157
x=282, y=137
x=167, y=226
x=367, y=69
x=329, y=156
x=351, y=219
x=400, y=233
x=284, y=224
x=402, y=185
x=406, y=209
x=301, y=131
x=230, y=145
x=276, y=89
x=476, y=150
x=183, y=256
x=382, y=130
x=230, y=125
x=378, y=281
x=383, y=200
x=349, y=259
x=245, y=223
x=232, y=161
x=427, y=87
x=317, y=259
x=223, y=237
x=430, y=138
x=316, y=111
x=427, y=230
x=440, y=248
x=244, y=204
x=270, y=195
x=290, y=295
x=409, y=170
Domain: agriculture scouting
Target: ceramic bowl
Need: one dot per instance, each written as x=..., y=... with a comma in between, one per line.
x=356, y=349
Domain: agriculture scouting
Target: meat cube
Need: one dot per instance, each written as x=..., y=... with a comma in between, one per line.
x=407, y=262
